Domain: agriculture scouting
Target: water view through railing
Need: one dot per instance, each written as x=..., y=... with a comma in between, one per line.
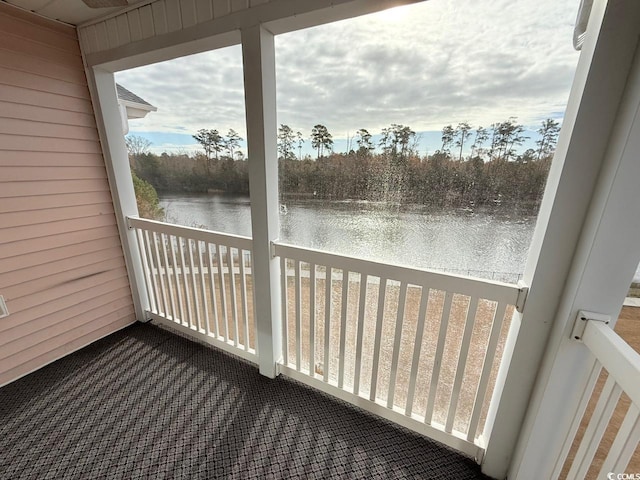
x=201, y=282
x=483, y=244
x=423, y=345
x=418, y=347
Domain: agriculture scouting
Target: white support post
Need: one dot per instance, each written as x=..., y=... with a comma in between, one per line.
x=564, y=271
x=258, y=56
x=105, y=104
x=602, y=270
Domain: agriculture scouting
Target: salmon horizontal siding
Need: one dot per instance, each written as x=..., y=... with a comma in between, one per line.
x=43, y=230
x=48, y=159
x=42, y=84
x=64, y=290
x=12, y=264
x=110, y=300
x=28, y=321
x=43, y=237
x=26, y=96
x=26, y=174
x=14, y=26
x=46, y=115
x=19, y=219
x=35, y=357
x=40, y=271
x=26, y=189
x=51, y=144
x=37, y=244
x=22, y=63
x=39, y=129
x=59, y=29
x=75, y=277
x=40, y=51
x=22, y=204
x=62, y=269
x=21, y=344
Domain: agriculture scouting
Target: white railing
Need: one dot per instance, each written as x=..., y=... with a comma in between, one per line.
x=418, y=347
x=620, y=392
x=199, y=282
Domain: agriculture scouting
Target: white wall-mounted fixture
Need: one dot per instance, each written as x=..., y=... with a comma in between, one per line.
x=4, y=311
x=581, y=322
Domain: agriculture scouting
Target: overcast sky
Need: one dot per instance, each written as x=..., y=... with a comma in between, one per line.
x=426, y=65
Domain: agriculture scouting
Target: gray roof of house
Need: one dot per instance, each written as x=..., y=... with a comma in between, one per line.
x=124, y=94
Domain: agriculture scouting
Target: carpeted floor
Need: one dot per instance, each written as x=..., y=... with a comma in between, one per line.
x=146, y=403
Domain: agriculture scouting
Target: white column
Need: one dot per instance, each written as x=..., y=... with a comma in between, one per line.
x=105, y=104
x=603, y=267
x=258, y=56
x=558, y=259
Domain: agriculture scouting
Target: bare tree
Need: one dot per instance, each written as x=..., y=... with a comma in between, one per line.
x=136, y=145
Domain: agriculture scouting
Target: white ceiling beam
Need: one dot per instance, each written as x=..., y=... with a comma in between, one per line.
x=278, y=16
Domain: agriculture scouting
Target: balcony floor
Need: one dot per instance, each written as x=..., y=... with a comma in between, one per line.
x=148, y=403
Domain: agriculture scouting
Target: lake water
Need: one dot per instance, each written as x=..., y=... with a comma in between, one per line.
x=484, y=245
x=477, y=244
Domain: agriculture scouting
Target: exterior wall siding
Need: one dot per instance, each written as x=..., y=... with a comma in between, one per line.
x=62, y=270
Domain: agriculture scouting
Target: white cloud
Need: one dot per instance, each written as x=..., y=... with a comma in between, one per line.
x=424, y=65
x=199, y=91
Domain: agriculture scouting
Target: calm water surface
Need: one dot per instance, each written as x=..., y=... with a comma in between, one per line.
x=483, y=245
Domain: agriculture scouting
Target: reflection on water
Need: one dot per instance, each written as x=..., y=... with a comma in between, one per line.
x=222, y=213
x=481, y=245
x=417, y=238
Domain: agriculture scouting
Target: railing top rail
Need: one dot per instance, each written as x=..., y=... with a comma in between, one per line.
x=245, y=243
x=486, y=289
x=616, y=356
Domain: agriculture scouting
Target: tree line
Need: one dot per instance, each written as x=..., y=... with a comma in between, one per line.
x=500, y=140
x=474, y=167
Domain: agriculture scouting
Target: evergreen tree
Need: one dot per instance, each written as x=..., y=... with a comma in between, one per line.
x=285, y=142
x=548, y=137
x=461, y=134
x=211, y=141
x=232, y=142
x=321, y=139
x=364, y=141
x=448, y=134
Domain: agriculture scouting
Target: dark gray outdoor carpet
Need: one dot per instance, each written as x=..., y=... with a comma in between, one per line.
x=146, y=403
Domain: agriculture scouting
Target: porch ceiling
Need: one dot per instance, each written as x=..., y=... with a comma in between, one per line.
x=73, y=12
